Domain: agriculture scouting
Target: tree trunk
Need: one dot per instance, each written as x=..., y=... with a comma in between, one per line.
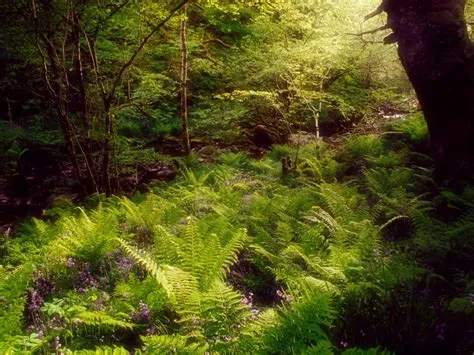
x=184, y=81
x=435, y=49
x=107, y=149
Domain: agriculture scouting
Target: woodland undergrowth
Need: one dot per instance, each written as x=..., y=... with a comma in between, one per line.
x=345, y=253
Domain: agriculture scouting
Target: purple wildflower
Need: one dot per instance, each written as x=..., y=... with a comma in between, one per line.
x=283, y=297
x=43, y=285
x=440, y=331
x=143, y=315
x=151, y=331
x=125, y=264
x=99, y=303
x=34, y=302
x=247, y=300
x=86, y=280
x=57, y=344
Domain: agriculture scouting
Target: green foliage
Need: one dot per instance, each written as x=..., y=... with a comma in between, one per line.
x=414, y=127
x=166, y=344
x=279, y=151
x=87, y=237
x=295, y=329
x=165, y=265
x=358, y=149
x=235, y=160
x=231, y=257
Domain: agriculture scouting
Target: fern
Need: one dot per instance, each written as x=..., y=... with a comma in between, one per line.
x=104, y=351
x=100, y=320
x=150, y=266
x=195, y=281
x=291, y=330
x=88, y=237
x=169, y=344
x=463, y=305
x=13, y=286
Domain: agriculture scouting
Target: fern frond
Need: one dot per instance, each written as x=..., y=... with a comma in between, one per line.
x=148, y=264
x=391, y=220
x=104, y=351
x=227, y=255
x=101, y=320
x=185, y=290
x=89, y=236
x=190, y=248
x=169, y=344
x=13, y=286
x=166, y=246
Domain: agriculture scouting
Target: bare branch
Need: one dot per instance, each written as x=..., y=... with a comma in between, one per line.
x=375, y=30
x=377, y=11
x=206, y=55
x=40, y=50
x=219, y=41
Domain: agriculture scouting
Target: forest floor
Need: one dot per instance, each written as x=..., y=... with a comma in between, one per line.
x=29, y=196
x=356, y=221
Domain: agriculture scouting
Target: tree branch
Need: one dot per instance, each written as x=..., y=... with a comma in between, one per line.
x=390, y=39
x=219, y=41
x=106, y=19
x=140, y=47
x=375, y=30
x=376, y=12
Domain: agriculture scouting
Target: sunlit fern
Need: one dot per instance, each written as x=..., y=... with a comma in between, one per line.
x=87, y=237
x=194, y=281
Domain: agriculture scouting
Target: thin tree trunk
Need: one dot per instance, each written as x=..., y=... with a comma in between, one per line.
x=60, y=89
x=10, y=119
x=184, y=81
x=55, y=85
x=107, y=148
x=85, y=149
x=318, y=113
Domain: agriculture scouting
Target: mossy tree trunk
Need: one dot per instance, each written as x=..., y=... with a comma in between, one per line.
x=435, y=49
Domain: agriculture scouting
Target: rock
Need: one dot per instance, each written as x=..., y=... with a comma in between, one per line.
x=263, y=136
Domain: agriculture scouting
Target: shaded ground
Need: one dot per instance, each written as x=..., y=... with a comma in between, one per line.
x=29, y=194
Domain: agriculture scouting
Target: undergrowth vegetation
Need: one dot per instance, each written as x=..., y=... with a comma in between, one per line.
x=344, y=253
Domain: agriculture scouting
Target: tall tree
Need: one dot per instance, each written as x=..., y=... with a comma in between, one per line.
x=68, y=40
x=438, y=56
x=184, y=79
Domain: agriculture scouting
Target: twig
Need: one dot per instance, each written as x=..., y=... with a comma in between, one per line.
x=221, y=42
x=375, y=30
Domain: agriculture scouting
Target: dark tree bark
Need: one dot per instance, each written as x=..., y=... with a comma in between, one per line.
x=436, y=52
